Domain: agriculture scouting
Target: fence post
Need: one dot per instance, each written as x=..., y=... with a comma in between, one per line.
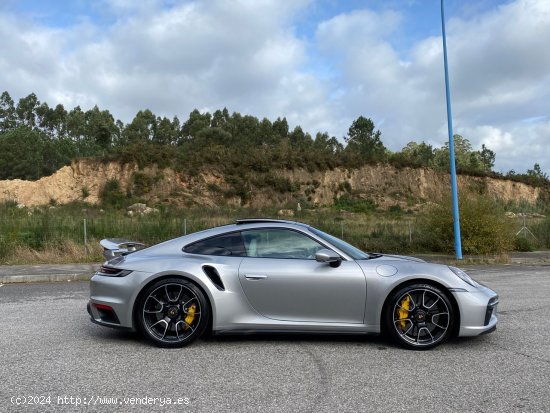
x=410, y=233
x=85, y=239
x=184, y=226
x=342, y=223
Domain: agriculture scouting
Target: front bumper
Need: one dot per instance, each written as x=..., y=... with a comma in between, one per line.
x=478, y=311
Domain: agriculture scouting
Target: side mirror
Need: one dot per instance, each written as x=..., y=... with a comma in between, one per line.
x=329, y=257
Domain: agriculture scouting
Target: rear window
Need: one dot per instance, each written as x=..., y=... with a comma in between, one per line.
x=224, y=245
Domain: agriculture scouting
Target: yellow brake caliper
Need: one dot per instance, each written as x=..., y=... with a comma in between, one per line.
x=190, y=316
x=403, y=311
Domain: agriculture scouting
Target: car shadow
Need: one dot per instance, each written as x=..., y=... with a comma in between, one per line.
x=358, y=339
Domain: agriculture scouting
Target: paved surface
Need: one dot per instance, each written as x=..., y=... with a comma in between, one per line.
x=48, y=347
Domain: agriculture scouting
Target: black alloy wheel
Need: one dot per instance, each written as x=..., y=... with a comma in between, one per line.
x=419, y=316
x=172, y=313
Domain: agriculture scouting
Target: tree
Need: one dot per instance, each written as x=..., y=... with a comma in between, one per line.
x=280, y=127
x=167, y=131
x=487, y=157
x=26, y=110
x=467, y=160
x=195, y=123
x=142, y=127
x=418, y=154
x=100, y=127
x=363, y=140
x=7, y=112
x=299, y=139
x=328, y=145
x=537, y=172
x=76, y=124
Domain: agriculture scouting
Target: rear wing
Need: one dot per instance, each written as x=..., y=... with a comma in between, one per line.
x=113, y=247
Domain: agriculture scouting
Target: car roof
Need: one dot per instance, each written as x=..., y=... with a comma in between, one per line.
x=268, y=221
x=242, y=224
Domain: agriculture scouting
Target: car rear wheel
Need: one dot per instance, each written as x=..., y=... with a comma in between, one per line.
x=419, y=316
x=172, y=313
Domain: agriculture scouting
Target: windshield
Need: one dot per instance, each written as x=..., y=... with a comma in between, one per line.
x=349, y=249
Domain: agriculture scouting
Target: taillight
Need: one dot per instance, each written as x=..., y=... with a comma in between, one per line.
x=113, y=272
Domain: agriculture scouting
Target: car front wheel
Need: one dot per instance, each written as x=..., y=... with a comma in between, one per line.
x=419, y=316
x=172, y=313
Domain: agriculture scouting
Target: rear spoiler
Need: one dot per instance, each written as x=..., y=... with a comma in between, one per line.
x=113, y=247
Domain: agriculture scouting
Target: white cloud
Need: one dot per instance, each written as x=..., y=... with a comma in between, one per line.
x=173, y=56
x=499, y=65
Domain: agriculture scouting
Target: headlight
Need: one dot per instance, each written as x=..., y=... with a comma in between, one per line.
x=464, y=277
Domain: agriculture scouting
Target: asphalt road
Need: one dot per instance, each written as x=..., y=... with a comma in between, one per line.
x=48, y=347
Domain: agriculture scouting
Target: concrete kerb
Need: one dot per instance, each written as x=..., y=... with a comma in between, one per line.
x=10, y=274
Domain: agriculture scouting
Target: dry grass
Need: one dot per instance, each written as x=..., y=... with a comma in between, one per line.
x=66, y=252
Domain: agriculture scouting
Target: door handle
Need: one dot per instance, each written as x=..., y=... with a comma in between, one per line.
x=255, y=277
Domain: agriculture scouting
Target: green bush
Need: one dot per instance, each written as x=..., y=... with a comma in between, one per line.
x=395, y=209
x=141, y=183
x=542, y=232
x=111, y=194
x=351, y=204
x=482, y=225
x=523, y=244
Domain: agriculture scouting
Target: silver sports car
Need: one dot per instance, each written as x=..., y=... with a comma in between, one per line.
x=264, y=275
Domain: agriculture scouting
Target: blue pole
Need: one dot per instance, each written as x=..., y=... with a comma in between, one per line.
x=456, y=218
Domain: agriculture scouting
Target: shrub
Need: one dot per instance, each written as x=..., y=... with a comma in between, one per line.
x=483, y=229
x=523, y=244
x=395, y=209
x=344, y=186
x=542, y=232
x=111, y=194
x=141, y=183
x=351, y=204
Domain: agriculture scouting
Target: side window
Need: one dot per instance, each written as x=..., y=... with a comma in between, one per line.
x=279, y=243
x=227, y=245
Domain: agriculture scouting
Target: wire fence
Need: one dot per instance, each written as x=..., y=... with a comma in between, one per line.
x=45, y=230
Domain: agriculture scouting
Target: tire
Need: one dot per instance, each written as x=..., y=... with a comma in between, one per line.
x=419, y=316
x=172, y=313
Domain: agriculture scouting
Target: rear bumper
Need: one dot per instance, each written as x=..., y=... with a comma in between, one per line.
x=97, y=320
x=112, y=299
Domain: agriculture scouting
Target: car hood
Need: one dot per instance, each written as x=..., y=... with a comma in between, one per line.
x=399, y=258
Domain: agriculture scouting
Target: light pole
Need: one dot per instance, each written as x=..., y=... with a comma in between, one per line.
x=456, y=217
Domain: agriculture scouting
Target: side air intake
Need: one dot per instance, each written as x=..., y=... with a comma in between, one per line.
x=213, y=275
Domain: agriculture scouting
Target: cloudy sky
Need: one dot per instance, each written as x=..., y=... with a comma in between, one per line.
x=319, y=63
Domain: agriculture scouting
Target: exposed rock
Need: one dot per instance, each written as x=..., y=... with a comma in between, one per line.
x=140, y=209
x=285, y=213
x=383, y=184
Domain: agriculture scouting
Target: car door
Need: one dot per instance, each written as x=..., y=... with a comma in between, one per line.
x=282, y=280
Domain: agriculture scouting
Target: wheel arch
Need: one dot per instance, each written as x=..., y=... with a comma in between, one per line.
x=450, y=296
x=207, y=296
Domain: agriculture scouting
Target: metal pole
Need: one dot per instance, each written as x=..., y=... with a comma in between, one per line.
x=85, y=238
x=342, y=229
x=456, y=218
x=185, y=226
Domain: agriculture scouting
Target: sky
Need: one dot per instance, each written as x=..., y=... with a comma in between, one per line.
x=319, y=63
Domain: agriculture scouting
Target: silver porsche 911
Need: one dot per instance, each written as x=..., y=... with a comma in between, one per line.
x=263, y=275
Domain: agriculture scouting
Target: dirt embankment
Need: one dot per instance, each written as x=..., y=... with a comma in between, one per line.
x=385, y=185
